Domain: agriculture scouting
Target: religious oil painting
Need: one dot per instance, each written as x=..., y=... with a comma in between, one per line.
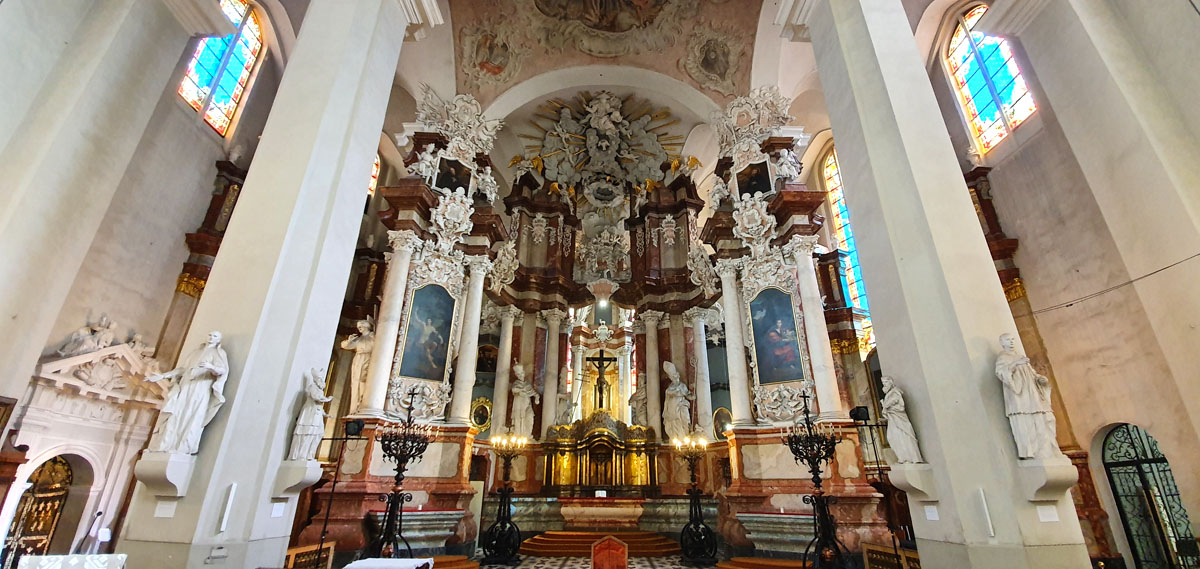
x=776, y=342
x=452, y=175
x=754, y=178
x=427, y=334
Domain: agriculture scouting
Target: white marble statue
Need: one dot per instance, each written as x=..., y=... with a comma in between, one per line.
x=677, y=408
x=193, y=399
x=900, y=434
x=523, y=398
x=90, y=338
x=310, y=423
x=361, y=344
x=565, y=406
x=1026, y=402
x=637, y=407
x=787, y=167
x=427, y=162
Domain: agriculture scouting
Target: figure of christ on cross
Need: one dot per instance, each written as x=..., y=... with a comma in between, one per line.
x=601, y=361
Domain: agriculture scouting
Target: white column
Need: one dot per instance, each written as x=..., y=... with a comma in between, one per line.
x=936, y=301
x=577, y=364
x=276, y=291
x=625, y=413
x=468, y=348
x=554, y=318
x=650, y=319
x=696, y=318
x=387, y=329
x=503, y=368
x=65, y=155
x=735, y=347
x=829, y=398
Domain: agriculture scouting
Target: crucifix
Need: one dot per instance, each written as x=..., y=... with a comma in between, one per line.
x=601, y=362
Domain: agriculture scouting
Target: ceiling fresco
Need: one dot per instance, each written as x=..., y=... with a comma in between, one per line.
x=705, y=43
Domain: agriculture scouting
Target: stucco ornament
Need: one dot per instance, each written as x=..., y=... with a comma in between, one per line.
x=900, y=433
x=426, y=165
x=504, y=272
x=461, y=121
x=485, y=183
x=490, y=56
x=195, y=396
x=787, y=166
x=603, y=333
x=451, y=221
x=677, y=407
x=428, y=402
x=753, y=224
x=747, y=122
x=608, y=29
x=1026, y=402
x=714, y=57
x=310, y=423
x=604, y=256
x=778, y=404
x=90, y=338
x=700, y=268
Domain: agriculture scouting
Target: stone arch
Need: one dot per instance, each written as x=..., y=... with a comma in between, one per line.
x=77, y=511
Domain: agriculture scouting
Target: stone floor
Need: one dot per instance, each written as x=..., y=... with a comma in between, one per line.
x=534, y=562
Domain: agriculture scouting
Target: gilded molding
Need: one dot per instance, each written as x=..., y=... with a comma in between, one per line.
x=842, y=346
x=1014, y=289
x=190, y=285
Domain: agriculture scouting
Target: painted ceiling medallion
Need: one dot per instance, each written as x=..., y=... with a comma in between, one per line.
x=491, y=55
x=609, y=28
x=714, y=58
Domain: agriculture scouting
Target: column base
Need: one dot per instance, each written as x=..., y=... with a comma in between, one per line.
x=939, y=554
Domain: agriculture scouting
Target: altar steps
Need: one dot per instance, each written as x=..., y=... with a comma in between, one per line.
x=579, y=543
x=761, y=563
x=454, y=562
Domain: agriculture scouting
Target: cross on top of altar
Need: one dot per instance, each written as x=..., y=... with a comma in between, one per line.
x=601, y=361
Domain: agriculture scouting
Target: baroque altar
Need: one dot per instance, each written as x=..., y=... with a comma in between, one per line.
x=601, y=453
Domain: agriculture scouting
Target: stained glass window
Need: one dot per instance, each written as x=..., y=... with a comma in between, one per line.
x=374, y=177
x=216, y=76
x=990, y=86
x=842, y=232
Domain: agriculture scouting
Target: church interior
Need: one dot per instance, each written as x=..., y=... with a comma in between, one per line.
x=754, y=284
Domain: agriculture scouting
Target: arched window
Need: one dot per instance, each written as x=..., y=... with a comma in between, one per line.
x=216, y=76
x=842, y=233
x=374, y=177
x=990, y=87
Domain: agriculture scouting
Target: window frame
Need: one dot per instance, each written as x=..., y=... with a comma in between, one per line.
x=252, y=10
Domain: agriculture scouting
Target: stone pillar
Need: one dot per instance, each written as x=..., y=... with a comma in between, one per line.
x=735, y=346
x=829, y=397
x=503, y=369
x=275, y=291
x=577, y=365
x=650, y=319
x=624, y=392
x=936, y=301
x=387, y=328
x=696, y=318
x=66, y=153
x=468, y=347
x=554, y=318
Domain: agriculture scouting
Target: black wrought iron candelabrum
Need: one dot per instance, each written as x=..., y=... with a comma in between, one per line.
x=813, y=445
x=697, y=541
x=503, y=537
x=402, y=444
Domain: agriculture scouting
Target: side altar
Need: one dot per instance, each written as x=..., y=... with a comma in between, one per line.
x=600, y=453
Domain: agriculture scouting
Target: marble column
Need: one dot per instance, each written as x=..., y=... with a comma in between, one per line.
x=936, y=302
x=624, y=393
x=65, y=145
x=276, y=290
x=468, y=347
x=387, y=328
x=697, y=319
x=554, y=318
x=735, y=346
x=577, y=385
x=508, y=314
x=820, y=353
x=650, y=320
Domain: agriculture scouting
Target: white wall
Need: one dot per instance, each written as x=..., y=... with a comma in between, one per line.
x=139, y=250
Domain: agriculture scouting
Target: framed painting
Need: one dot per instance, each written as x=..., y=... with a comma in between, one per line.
x=755, y=178
x=776, y=340
x=429, y=321
x=452, y=175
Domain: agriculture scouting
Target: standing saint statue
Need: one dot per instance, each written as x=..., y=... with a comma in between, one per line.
x=361, y=344
x=677, y=409
x=565, y=406
x=193, y=399
x=900, y=434
x=523, y=398
x=310, y=424
x=1026, y=402
x=637, y=407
